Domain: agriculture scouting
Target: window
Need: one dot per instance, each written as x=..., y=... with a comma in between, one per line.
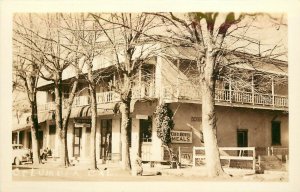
x=51, y=96
x=88, y=130
x=52, y=129
x=276, y=135
x=146, y=130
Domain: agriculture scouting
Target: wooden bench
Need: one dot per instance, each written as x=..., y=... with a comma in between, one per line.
x=241, y=152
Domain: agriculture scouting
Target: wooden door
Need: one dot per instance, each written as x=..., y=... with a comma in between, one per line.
x=76, y=142
x=242, y=140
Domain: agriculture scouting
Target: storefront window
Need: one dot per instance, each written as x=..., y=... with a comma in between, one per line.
x=146, y=130
x=52, y=129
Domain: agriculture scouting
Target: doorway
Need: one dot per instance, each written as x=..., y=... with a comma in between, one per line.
x=106, y=133
x=77, y=141
x=40, y=137
x=242, y=140
x=146, y=138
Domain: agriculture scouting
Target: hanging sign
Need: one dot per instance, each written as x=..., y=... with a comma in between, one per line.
x=181, y=136
x=198, y=119
x=186, y=158
x=141, y=117
x=80, y=122
x=85, y=121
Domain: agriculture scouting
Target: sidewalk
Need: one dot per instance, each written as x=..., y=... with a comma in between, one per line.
x=113, y=170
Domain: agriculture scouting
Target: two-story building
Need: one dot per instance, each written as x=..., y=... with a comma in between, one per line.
x=248, y=114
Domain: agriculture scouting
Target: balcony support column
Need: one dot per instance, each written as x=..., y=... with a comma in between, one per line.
x=252, y=87
x=140, y=83
x=230, y=90
x=18, y=137
x=273, y=92
x=114, y=79
x=177, y=79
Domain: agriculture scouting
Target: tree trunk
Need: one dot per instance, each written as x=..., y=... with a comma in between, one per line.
x=34, y=131
x=67, y=117
x=92, y=88
x=212, y=155
x=125, y=111
x=59, y=121
x=65, y=128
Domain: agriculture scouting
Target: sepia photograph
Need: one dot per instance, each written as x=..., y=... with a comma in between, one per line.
x=149, y=97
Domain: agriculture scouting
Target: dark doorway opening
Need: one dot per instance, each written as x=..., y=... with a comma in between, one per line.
x=276, y=133
x=242, y=140
x=76, y=141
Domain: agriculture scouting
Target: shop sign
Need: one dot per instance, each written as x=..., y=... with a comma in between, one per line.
x=186, y=158
x=181, y=136
x=79, y=122
x=85, y=121
x=141, y=116
x=82, y=125
x=198, y=119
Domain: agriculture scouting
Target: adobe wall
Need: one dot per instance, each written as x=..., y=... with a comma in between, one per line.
x=229, y=120
x=187, y=117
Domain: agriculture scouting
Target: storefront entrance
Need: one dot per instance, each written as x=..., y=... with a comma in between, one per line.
x=242, y=140
x=106, y=133
x=76, y=142
x=40, y=137
x=146, y=138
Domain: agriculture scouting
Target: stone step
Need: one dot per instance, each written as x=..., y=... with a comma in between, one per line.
x=271, y=158
x=271, y=162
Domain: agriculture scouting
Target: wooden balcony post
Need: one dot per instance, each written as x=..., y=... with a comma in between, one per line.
x=254, y=163
x=230, y=91
x=140, y=82
x=18, y=137
x=177, y=80
x=252, y=86
x=114, y=79
x=179, y=155
x=273, y=98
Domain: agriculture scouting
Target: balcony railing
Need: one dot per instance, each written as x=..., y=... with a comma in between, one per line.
x=189, y=92
x=78, y=101
x=107, y=97
x=81, y=101
x=143, y=91
x=47, y=106
x=103, y=97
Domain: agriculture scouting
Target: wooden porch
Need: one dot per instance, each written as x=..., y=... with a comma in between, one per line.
x=225, y=97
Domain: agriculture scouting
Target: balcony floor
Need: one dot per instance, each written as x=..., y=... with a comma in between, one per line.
x=222, y=103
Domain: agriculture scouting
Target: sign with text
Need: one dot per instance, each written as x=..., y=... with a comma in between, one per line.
x=186, y=158
x=141, y=116
x=198, y=119
x=181, y=136
x=86, y=121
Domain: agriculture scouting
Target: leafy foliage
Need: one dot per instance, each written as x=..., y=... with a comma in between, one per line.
x=164, y=123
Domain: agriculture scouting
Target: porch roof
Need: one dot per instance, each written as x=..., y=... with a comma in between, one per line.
x=85, y=111
x=20, y=127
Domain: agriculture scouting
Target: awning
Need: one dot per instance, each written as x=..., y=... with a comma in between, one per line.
x=80, y=112
x=20, y=127
x=85, y=111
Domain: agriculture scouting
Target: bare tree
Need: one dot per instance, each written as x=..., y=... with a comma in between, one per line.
x=55, y=51
x=128, y=34
x=211, y=37
x=26, y=75
x=83, y=29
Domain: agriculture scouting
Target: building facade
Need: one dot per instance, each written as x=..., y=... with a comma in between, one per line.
x=245, y=117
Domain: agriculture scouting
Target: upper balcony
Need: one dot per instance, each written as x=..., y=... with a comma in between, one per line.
x=138, y=92
x=225, y=97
